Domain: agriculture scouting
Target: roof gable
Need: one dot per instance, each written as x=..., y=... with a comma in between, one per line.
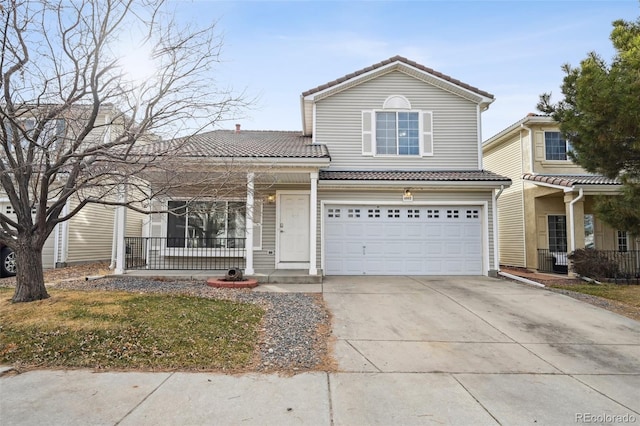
x=396, y=63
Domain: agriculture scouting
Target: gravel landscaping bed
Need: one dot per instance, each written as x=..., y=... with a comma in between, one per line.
x=296, y=326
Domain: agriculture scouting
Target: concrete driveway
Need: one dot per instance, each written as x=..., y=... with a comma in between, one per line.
x=477, y=350
x=419, y=350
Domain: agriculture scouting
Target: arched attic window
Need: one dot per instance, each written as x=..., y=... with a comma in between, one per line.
x=396, y=102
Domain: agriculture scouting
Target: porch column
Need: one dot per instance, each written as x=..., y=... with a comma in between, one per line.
x=313, y=224
x=121, y=221
x=248, y=269
x=574, y=207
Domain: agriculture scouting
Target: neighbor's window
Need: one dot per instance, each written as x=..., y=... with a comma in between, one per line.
x=557, y=233
x=623, y=241
x=397, y=133
x=205, y=224
x=52, y=132
x=556, y=146
x=588, y=231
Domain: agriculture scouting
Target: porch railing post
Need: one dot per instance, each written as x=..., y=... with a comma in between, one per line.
x=248, y=247
x=121, y=219
x=313, y=224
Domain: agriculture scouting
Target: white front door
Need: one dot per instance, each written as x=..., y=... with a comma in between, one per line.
x=293, y=230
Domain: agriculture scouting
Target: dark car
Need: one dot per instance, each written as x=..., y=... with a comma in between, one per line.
x=7, y=261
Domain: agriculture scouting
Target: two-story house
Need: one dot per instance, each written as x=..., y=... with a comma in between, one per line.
x=87, y=236
x=548, y=210
x=385, y=178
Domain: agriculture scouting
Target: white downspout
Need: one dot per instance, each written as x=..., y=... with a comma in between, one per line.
x=571, y=214
x=531, y=163
x=496, y=232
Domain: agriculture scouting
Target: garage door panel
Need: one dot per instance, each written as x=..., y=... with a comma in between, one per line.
x=414, y=240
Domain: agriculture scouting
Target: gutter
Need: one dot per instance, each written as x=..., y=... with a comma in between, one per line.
x=571, y=218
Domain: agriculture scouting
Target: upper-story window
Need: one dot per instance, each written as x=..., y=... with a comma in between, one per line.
x=397, y=129
x=52, y=132
x=556, y=146
x=398, y=133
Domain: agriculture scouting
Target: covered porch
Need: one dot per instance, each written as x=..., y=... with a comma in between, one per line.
x=227, y=199
x=562, y=209
x=263, y=221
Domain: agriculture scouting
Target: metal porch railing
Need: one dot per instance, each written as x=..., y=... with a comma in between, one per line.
x=158, y=253
x=627, y=262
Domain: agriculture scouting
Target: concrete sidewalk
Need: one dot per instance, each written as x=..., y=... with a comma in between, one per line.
x=421, y=350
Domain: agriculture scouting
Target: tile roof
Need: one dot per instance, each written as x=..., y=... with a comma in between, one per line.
x=246, y=143
x=390, y=61
x=570, y=181
x=424, y=175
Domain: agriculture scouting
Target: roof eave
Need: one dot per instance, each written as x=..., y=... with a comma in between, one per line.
x=422, y=184
x=501, y=136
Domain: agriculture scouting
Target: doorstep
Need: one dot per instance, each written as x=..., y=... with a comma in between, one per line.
x=274, y=276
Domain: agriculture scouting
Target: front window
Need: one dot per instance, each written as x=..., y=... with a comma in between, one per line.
x=623, y=241
x=556, y=146
x=557, y=233
x=397, y=133
x=206, y=224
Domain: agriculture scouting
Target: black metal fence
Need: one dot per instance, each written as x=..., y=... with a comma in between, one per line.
x=552, y=261
x=627, y=262
x=158, y=253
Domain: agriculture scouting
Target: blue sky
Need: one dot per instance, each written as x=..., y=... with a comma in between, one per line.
x=512, y=49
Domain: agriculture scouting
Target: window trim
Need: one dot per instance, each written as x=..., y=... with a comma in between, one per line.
x=622, y=241
x=567, y=146
x=369, y=140
x=210, y=251
x=549, y=216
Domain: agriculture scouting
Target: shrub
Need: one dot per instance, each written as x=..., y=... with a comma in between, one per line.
x=593, y=264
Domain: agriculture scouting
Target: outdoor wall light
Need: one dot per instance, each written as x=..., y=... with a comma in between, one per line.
x=271, y=198
x=407, y=195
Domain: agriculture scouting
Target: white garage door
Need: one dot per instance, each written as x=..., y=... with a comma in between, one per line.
x=390, y=240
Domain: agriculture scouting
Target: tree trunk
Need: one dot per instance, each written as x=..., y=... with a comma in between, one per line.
x=29, y=274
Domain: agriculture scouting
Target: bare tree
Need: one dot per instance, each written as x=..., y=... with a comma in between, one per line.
x=74, y=123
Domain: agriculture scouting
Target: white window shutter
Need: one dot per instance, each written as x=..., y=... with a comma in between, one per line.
x=367, y=132
x=427, y=133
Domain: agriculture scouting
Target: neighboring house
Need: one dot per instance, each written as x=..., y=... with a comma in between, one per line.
x=548, y=210
x=88, y=236
x=385, y=178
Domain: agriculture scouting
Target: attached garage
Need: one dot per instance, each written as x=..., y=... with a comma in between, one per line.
x=405, y=240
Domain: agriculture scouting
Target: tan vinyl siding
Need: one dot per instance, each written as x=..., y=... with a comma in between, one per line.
x=419, y=196
x=506, y=161
x=90, y=234
x=455, y=126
